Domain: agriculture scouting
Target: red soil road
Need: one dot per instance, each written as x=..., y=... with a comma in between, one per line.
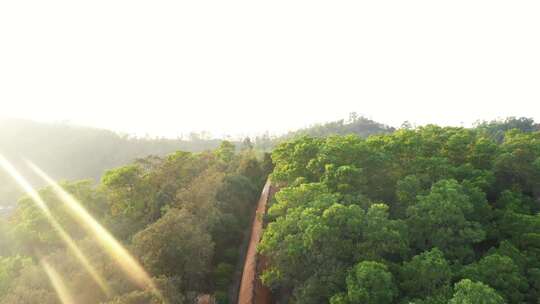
x=251, y=289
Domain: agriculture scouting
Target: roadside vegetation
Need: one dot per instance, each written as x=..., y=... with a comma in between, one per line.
x=422, y=215
x=183, y=216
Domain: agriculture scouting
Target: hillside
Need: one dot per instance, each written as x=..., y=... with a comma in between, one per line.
x=184, y=215
x=423, y=215
x=74, y=152
x=357, y=125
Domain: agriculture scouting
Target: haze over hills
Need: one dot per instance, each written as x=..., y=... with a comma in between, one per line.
x=429, y=212
x=70, y=152
x=75, y=152
x=200, y=152
x=389, y=208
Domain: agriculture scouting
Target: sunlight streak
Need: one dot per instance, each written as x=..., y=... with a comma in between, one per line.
x=21, y=181
x=58, y=284
x=121, y=256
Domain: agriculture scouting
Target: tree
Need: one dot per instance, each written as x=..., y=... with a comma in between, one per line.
x=225, y=151
x=30, y=286
x=293, y=160
x=516, y=202
x=469, y=292
x=250, y=167
x=457, y=145
x=247, y=144
x=129, y=197
x=294, y=197
x=267, y=165
x=5, y=238
x=343, y=179
x=340, y=298
x=176, y=245
x=31, y=227
x=308, y=246
x=441, y=219
x=199, y=198
x=383, y=238
x=10, y=268
x=518, y=165
x=370, y=283
x=137, y=193
x=236, y=195
x=407, y=190
x=496, y=129
x=167, y=287
x=425, y=274
x=501, y=273
x=482, y=153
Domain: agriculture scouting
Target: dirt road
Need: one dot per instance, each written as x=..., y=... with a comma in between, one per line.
x=251, y=289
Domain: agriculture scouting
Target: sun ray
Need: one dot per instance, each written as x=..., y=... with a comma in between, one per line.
x=58, y=284
x=36, y=198
x=121, y=256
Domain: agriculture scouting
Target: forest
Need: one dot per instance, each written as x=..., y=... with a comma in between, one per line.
x=423, y=215
x=183, y=216
x=70, y=152
x=375, y=215
x=75, y=152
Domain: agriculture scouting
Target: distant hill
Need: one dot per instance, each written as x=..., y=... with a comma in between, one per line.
x=497, y=128
x=357, y=125
x=74, y=152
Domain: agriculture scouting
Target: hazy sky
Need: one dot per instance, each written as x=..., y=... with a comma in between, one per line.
x=243, y=67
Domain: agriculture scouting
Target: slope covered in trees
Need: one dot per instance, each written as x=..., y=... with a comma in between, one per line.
x=356, y=124
x=183, y=216
x=426, y=215
x=72, y=152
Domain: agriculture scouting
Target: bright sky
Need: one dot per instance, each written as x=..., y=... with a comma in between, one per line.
x=245, y=67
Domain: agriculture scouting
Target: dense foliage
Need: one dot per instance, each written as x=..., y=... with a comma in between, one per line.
x=356, y=124
x=72, y=152
x=422, y=215
x=183, y=216
x=425, y=215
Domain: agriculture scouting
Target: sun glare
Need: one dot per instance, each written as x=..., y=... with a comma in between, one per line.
x=36, y=198
x=120, y=255
x=58, y=284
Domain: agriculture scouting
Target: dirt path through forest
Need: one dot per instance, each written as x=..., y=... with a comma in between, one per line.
x=251, y=289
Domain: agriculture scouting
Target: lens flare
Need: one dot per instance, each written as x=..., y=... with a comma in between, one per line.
x=120, y=255
x=58, y=284
x=21, y=181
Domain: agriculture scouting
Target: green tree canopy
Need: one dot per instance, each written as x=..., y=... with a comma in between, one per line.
x=370, y=283
x=425, y=274
x=469, y=292
x=501, y=273
x=176, y=245
x=441, y=219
